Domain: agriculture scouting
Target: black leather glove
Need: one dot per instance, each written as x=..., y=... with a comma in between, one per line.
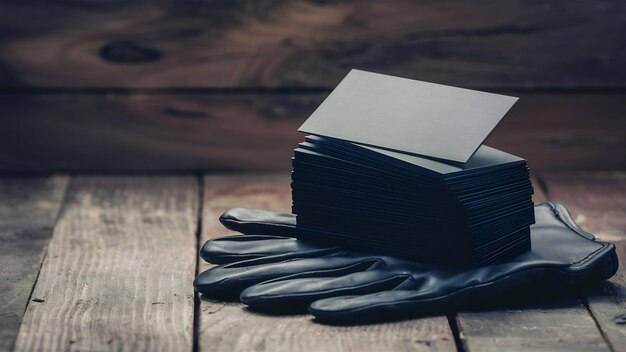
x=341, y=286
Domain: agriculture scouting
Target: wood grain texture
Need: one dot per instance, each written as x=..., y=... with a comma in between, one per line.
x=119, y=268
x=310, y=43
x=28, y=211
x=556, y=324
x=152, y=132
x=598, y=204
x=228, y=326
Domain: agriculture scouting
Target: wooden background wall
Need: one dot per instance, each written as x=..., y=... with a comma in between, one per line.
x=222, y=85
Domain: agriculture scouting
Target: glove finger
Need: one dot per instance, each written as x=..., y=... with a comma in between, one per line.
x=229, y=249
x=233, y=278
x=373, y=307
x=259, y=222
x=301, y=289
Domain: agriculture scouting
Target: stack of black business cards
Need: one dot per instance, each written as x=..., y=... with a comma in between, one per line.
x=396, y=166
x=412, y=207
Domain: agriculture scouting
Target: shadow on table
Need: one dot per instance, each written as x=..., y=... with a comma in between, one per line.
x=519, y=299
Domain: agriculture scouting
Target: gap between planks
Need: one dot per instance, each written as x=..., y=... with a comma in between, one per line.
x=196, y=297
x=28, y=212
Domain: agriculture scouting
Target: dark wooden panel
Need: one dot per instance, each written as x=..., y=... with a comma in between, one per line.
x=119, y=269
x=28, y=211
x=150, y=132
x=311, y=43
x=227, y=326
x=570, y=131
x=597, y=200
x=88, y=132
x=598, y=203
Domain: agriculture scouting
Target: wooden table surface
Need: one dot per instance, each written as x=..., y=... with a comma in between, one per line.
x=95, y=262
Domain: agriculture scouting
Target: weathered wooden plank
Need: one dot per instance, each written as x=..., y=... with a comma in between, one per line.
x=309, y=43
x=119, y=269
x=28, y=211
x=561, y=324
x=258, y=131
x=552, y=325
x=598, y=204
x=229, y=327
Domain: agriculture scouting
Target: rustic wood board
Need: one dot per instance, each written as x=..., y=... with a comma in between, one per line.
x=228, y=326
x=118, y=271
x=154, y=132
x=598, y=203
x=28, y=211
x=552, y=325
x=309, y=43
x=555, y=325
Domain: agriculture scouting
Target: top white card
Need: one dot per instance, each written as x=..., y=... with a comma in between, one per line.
x=408, y=116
